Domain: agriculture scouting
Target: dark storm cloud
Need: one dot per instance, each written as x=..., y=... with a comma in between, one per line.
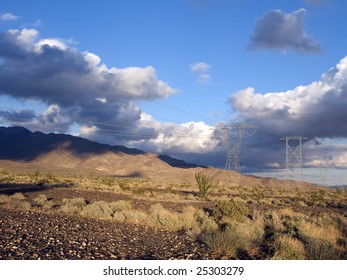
x=81, y=88
x=281, y=31
x=20, y=116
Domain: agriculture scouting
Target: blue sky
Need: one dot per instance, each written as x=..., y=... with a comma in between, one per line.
x=161, y=75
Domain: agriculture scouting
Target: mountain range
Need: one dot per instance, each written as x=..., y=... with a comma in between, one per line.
x=21, y=149
x=63, y=151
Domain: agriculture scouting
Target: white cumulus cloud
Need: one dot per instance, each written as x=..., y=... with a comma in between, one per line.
x=316, y=110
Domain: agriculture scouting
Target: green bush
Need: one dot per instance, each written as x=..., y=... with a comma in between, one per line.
x=232, y=209
x=205, y=183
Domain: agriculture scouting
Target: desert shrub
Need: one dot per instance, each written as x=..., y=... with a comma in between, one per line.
x=124, y=185
x=98, y=210
x=7, y=178
x=132, y=215
x=43, y=201
x=205, y=183
x=205, y=222
x=164, y=217
x=19, y=204
x=16, y=201
x=108, y=181
x=34, y=176
x=318, y=196
x=224, y=241
x=273, y=224
x=119, y=216
x=321, y=238
x=18, y=196
x=320, y=249
x=327, y=230
x=190, y=219
x=120, y=205
x=139, y=191
x=4, y=199
x=51, y=178
x=231, y=209
x=4, y=171
x=233, y=239
x=286, y=247
x=73, y=205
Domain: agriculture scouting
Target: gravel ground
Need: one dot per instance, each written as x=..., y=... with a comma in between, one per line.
x=38, y=235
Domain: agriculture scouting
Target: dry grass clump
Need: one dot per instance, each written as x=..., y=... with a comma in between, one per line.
x=286, y=247
x=320, y=249
x=120, y=205
x=323, y=241
x=164, y=217
x=16, y=201
x=97, y=210
x=190, y=219
x=133, y=216
x=235, y=240
x=73, y=205
x=118, y=210
x=42, y=201
x=4, y=199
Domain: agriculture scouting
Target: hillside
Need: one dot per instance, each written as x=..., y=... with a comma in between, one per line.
x=18, y=144
x=21, y=149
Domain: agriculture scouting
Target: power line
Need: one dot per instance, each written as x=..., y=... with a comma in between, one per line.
x=183, y=111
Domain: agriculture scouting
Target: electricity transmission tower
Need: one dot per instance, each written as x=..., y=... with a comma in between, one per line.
x=293, y=165
x=232, y=136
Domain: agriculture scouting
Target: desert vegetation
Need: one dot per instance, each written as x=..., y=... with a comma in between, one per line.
x=233, y=221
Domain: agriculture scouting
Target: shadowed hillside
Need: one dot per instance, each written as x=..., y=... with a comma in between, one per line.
x=20, y=144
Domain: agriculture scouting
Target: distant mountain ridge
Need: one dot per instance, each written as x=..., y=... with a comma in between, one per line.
x=20, y=144
x=26, y=151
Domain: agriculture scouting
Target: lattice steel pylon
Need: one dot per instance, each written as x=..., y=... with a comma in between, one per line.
x=232, y=136
x=293, y=164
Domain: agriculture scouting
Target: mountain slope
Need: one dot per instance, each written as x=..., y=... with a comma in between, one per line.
x=23, y=150
x=20, y=144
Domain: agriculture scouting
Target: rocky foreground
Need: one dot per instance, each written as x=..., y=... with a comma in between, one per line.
x=37, y=235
